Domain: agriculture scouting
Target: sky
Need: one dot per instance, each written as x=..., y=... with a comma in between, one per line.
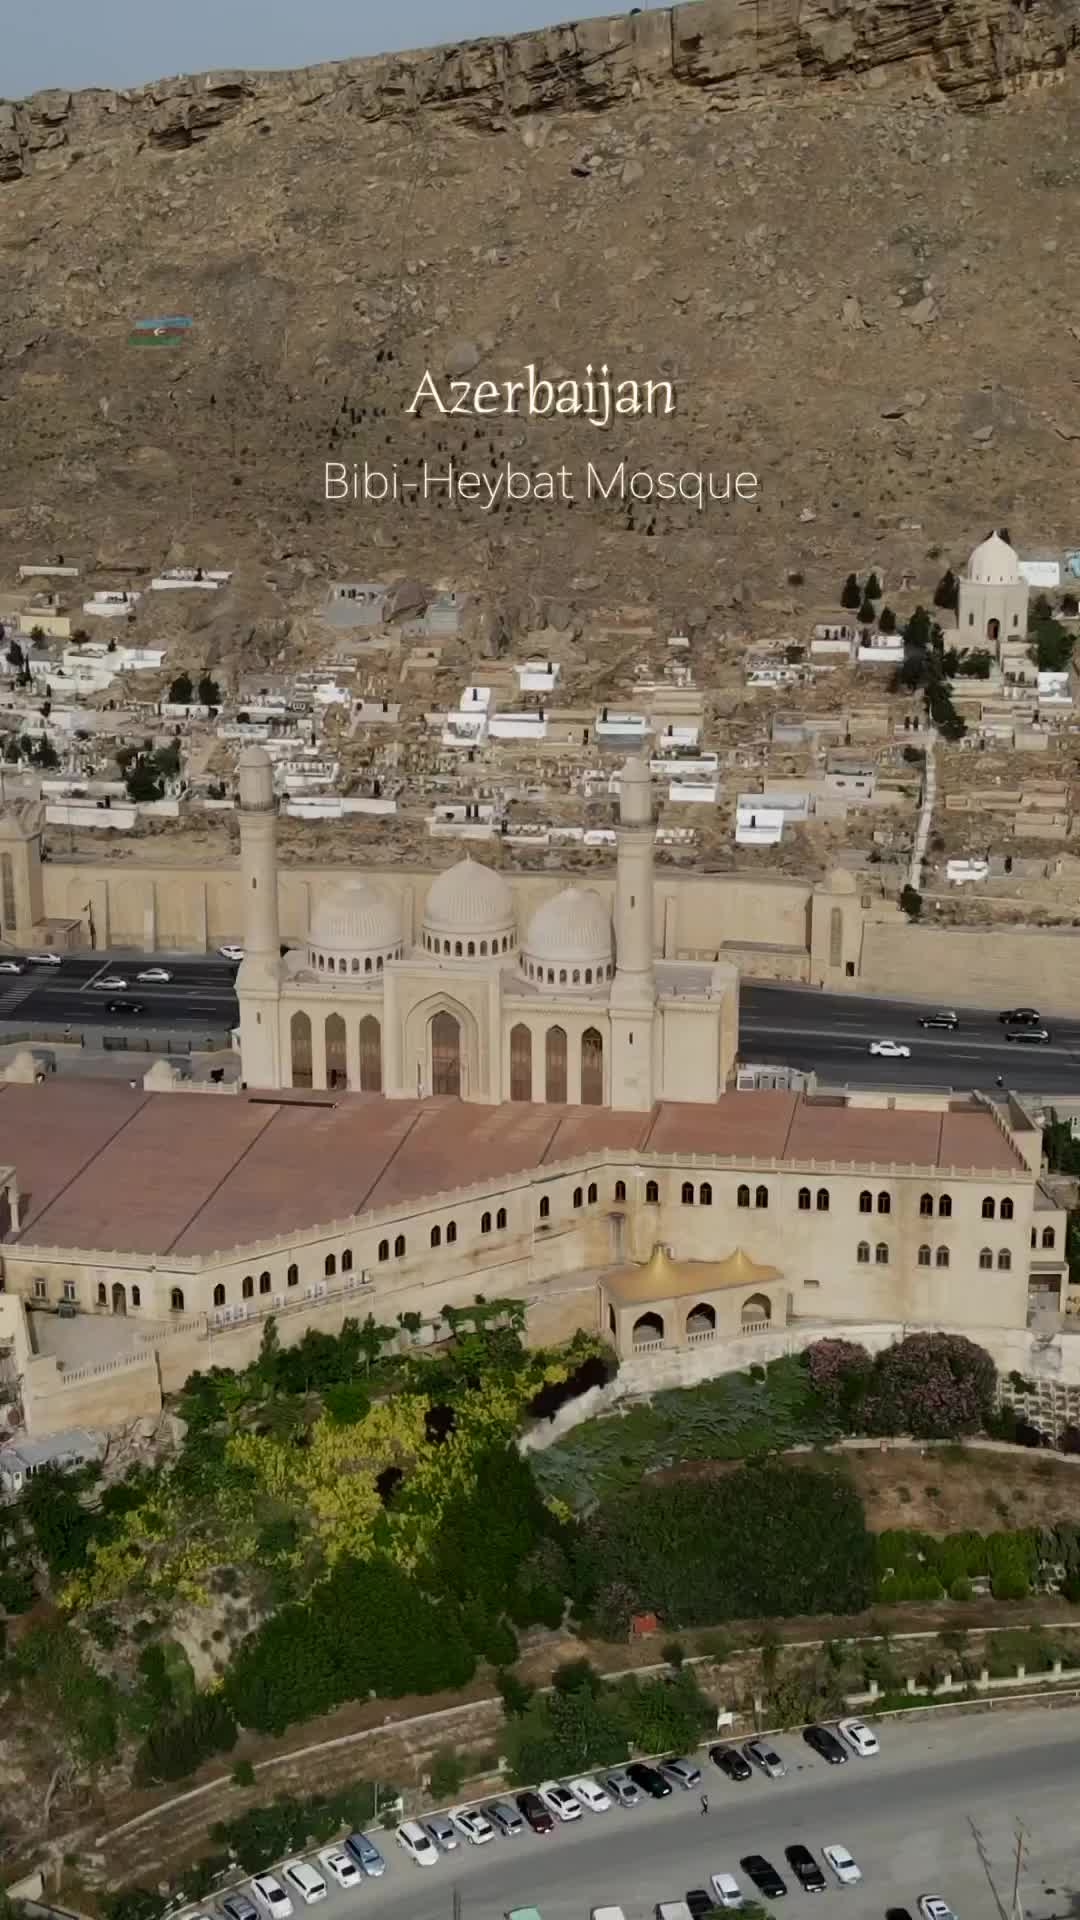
x=122, y=43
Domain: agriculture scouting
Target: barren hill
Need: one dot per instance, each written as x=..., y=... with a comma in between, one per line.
x=845, y=232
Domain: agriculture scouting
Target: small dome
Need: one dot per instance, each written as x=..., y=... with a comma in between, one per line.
x=355, y=918
x=994, y=564
x=469, y=898
x=573, y=928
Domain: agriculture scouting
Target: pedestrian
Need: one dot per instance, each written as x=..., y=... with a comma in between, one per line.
x=704, y=1803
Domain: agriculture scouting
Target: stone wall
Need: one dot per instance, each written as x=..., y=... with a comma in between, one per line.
x=968, y=965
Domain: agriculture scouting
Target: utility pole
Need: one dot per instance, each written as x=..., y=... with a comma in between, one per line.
x=1021, y=1841
x=456, y=1905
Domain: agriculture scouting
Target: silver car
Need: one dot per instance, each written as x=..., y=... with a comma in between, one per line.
x=766, y=1757
x=442, y=1831
x=682, y=1773
x=505, y=1818
x=622, y=1788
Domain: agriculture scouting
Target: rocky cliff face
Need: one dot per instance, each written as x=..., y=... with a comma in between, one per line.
x=971, y=51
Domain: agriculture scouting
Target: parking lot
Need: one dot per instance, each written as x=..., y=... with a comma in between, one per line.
x=934, y=1812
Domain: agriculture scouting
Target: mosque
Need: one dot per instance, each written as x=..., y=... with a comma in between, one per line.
x=571, y=1009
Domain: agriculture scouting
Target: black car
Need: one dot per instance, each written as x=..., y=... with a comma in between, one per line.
x=699, y=1902
x=730, y=1761
x=535, y=1812
x=943, y=1018
x=897, y=1913
x=805, y=1868
x=1021, y=1017
x=649, y=1780
x=763, y=1874
x=125, y=1006
x=826, y=1744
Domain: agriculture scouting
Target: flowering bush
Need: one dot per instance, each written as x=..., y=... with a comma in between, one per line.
x=839, y=1371
x=934, y=1386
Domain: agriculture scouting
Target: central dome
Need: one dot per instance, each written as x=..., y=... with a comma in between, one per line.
x=354, y=928
x=994, y=564
x=574, y=926
x=467, y=905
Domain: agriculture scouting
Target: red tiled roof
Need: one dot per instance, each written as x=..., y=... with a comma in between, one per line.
x=108, y=1167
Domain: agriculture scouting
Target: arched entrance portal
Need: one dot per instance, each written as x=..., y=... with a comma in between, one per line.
x=119, y=1298
x=446, y=1055
x=336, y=1069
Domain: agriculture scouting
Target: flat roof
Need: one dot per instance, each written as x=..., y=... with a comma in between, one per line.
x=108, y=1167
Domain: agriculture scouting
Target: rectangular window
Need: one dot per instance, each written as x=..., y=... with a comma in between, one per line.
x=41, y=1291
x=69, y=1290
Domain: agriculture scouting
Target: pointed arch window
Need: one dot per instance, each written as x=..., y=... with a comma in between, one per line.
x=300, y=1042
x=446, y=1055
x=652, y=1193
x=520, y=1062
x=370, y=1037
x=742, y=1198
x=1006, y=1209
x=555, y=1066
x=804, y=1199
x=592, y=1068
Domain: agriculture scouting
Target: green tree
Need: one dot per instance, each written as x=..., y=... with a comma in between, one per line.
x=1051, y=645
x=887, y=620
x=181, y=690
x=947, y=591
x=446, y=1775
x=867, y=612
x=919, y=630
x=872, y=589
x=911, y=901
x=141, y=780
x=851, y=593
x=209, y=691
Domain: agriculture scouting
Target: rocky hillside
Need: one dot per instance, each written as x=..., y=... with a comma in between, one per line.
x=844, y=233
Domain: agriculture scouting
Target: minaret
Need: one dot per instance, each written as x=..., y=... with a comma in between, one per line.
x=258, y=983
x=633, y=995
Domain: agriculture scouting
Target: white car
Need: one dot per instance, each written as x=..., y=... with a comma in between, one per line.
x=417, y=1844
x=44, y=959
x=12, y=966
x=301, y=1876
x=340, y=1867
x=113, y=981
x=473, y=1826
x=160, y=974
x=842, y=1865
x=590, y=1795
x=858, y=1735
x=890, y=1049
x=726, y=1888
x=231, y=953
x=559, y=1800
x=933, y=1907
x=268, y=1893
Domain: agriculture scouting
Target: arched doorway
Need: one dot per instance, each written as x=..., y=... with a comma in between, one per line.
x=446, y=1055
x=337, y=1070
x=592, y=1068
x=756, y=1312
x=700, y=1321
x=370, y=1055
x=300, y=1036
x=993, y=629
x=119, y=1298
x=648, y=1330
x=555, y=1066
x=520, y=1062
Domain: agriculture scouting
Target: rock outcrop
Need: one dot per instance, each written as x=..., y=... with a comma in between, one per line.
x=972, y=52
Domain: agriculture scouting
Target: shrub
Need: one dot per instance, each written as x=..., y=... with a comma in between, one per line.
x=175, y=1747
x=501, y=1645
x=932, y=1385
x=839, y=1371
x=243, y=1774
x=674, y=1653
x=516, y=1695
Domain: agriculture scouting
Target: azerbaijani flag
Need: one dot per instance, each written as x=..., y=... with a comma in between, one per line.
x=169, y=330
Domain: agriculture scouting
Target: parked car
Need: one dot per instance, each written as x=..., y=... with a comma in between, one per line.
x=505, y=1818
x=730, y=1761
x=898, y=1913
x=419, y=1845
x=944, y=1018
x=442, y=1831
x=473, y=1826
x=231, y=953
x=44, y=959
x=890, y=1049
x=621, y=1788
x=826, y=1744
x=682, y=1773
x=366, y=1854
x=591, y=1795
x=842, y=1864
x=933, y=1907
x=302, y=1878
x=559, y=1800
x=237, y=1906
x=699, y=1902
x=1029, y=1036
x=160, y=975
x=765, y=1757
x=726, y=1891
x=270, y=1895
x=340, y=1866
x=805, y=1868
x=535, y=1812
x=12, y=966
x=649, y=1780
x=764, y=1875
x=1021, y=1017
x=858, y=1735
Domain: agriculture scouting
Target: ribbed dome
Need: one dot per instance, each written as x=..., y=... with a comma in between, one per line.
x=994, y=564
x=355, y=918
x=574, y=927
x=469, y=898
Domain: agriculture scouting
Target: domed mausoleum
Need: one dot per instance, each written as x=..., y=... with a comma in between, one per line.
x=582, y=1013
x=993, y=607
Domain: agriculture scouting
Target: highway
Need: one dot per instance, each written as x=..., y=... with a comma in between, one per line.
x=829, y=1034
x=916, y=1818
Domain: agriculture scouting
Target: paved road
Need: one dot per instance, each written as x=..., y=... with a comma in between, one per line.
x=906, y=1816
x=790, y=1026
